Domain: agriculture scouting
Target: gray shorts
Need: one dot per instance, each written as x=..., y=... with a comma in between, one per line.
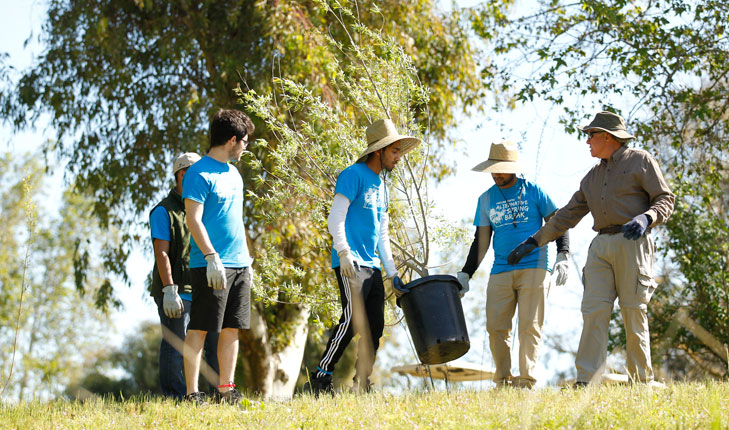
x=213, y=310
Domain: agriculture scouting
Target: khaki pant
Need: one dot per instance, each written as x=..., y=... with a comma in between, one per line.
x=622, y=268
x=529, y=289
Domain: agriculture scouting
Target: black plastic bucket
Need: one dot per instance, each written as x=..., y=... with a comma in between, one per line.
x=434, y=316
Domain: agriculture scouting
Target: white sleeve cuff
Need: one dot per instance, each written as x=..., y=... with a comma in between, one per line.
x=335, y=222
x=384, y=249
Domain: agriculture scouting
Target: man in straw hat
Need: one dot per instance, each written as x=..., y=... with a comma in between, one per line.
x=358, y=223
x=170, y=285
x=513, y=209
x=627, y=196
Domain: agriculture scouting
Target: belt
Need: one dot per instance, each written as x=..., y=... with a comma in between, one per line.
x=615, y=229
x=611, y=229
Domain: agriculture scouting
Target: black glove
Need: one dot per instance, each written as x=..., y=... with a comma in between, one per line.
x=520, y=251
x=399, y=287
x=636, y=227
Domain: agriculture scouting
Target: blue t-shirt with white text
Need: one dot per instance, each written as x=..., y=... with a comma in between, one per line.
x=219, y=187
x=367, y=202
x=514, y=214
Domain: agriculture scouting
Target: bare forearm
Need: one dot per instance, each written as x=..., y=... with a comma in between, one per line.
x=200, y=235
x=162, y=258
x=193, y=215
x=165, y=269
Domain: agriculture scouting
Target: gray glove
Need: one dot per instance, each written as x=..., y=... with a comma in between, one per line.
x=347, y=264
x=215, y=272
x=171, y=302
x=463, y=279
x=561, y=268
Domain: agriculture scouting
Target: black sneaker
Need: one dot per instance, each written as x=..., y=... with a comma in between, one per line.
x=319, y=384
x=232, y=397
x=198, y=398
x=579, y=385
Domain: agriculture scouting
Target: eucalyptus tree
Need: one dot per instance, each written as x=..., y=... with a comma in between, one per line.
x=127, y=84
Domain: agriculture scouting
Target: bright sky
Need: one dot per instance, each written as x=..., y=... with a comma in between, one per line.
x=556, y=162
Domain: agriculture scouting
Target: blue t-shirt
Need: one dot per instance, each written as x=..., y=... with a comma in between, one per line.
x=159, y=222
x=219, y=187
x=514, y=214
x=367, y=203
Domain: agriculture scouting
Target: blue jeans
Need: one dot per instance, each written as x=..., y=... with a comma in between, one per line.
x=171, y=368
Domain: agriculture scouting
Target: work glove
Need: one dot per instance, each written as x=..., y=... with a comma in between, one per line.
x=561, y=268
x=216, y=272
x=171, y=302
x=520, y=251
x=348, y=266
x=398, y=287
x=463, y=279
x=636, y=227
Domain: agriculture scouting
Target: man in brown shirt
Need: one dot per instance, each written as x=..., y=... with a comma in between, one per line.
x=625, y=193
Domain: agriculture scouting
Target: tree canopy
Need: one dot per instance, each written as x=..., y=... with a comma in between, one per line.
x=129, y=84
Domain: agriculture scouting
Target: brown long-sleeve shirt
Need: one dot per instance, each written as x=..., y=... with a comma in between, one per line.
x=627, y=184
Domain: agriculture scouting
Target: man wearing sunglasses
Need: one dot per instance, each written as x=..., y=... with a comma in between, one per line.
x=627, y=196
x=220, y=264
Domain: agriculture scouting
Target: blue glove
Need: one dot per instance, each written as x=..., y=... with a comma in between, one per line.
x=399, y=288
x=521, y=251
x=636, y=227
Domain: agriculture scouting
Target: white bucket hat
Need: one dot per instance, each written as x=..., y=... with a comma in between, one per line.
x=383, y=133
x=503, y=158
x=185, y=160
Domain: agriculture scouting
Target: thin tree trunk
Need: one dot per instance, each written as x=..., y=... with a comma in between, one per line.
x=268, y=372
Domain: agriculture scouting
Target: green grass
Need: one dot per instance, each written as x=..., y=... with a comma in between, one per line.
x=679, y=406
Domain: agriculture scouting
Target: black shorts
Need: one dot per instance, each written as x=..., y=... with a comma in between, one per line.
x=213, y=310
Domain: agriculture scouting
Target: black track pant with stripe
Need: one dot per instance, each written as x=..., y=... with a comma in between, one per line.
x=363, y=312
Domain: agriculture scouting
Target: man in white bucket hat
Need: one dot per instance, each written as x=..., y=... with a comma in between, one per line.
x=513, y=209
x=626, y=195
x=358, y=223
x=171, y=286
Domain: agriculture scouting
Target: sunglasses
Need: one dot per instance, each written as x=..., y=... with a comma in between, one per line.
x=591, y=134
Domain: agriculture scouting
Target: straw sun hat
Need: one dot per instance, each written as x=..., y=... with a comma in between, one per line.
x=503, y=158
x=382, y=133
